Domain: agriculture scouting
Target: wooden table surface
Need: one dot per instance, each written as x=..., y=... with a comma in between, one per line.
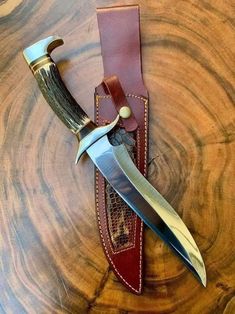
x=51, y=259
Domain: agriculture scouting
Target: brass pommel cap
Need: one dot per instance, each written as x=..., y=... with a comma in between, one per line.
x=41, y=49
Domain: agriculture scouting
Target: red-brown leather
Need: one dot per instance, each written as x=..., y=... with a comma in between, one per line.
x=120, y=46
x=114, y=89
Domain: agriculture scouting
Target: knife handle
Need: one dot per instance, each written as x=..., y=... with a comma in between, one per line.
x=52, y=87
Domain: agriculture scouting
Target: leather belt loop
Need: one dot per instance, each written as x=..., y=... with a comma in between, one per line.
x=120, y=46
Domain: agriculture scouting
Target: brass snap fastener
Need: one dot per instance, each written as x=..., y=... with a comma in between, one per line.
x=125, y=112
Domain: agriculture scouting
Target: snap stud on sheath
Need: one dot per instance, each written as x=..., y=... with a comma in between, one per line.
x=125, y=112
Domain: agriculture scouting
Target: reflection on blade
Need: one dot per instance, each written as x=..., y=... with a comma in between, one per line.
x=117, y=167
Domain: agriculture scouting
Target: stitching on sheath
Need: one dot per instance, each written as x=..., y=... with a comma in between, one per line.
x=97, y=193
x=145, y=100
x=101, y=233
x=103, y=201
x=97, y=98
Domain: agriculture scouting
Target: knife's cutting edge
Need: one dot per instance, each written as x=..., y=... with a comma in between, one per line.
x=117, y=167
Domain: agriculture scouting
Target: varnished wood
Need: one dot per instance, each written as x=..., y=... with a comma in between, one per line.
x=51, y=260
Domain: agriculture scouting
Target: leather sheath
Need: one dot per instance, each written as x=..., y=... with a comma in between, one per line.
x=121, y=230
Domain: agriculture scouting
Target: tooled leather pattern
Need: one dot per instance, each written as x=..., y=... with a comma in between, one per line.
x=120, y=218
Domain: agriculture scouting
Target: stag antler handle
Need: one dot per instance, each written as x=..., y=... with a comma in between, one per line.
x=52, y=87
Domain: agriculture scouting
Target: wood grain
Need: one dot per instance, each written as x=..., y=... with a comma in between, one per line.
x=51, y=260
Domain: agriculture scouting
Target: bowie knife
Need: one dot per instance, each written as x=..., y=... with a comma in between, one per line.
x=113, y=162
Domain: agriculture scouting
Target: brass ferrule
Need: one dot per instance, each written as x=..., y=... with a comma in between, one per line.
x=40, y=62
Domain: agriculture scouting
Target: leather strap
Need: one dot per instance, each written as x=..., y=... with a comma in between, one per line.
x=121, y=231
x=120, y=102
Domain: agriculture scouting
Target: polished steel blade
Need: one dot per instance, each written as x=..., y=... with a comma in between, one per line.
x=117, y=167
